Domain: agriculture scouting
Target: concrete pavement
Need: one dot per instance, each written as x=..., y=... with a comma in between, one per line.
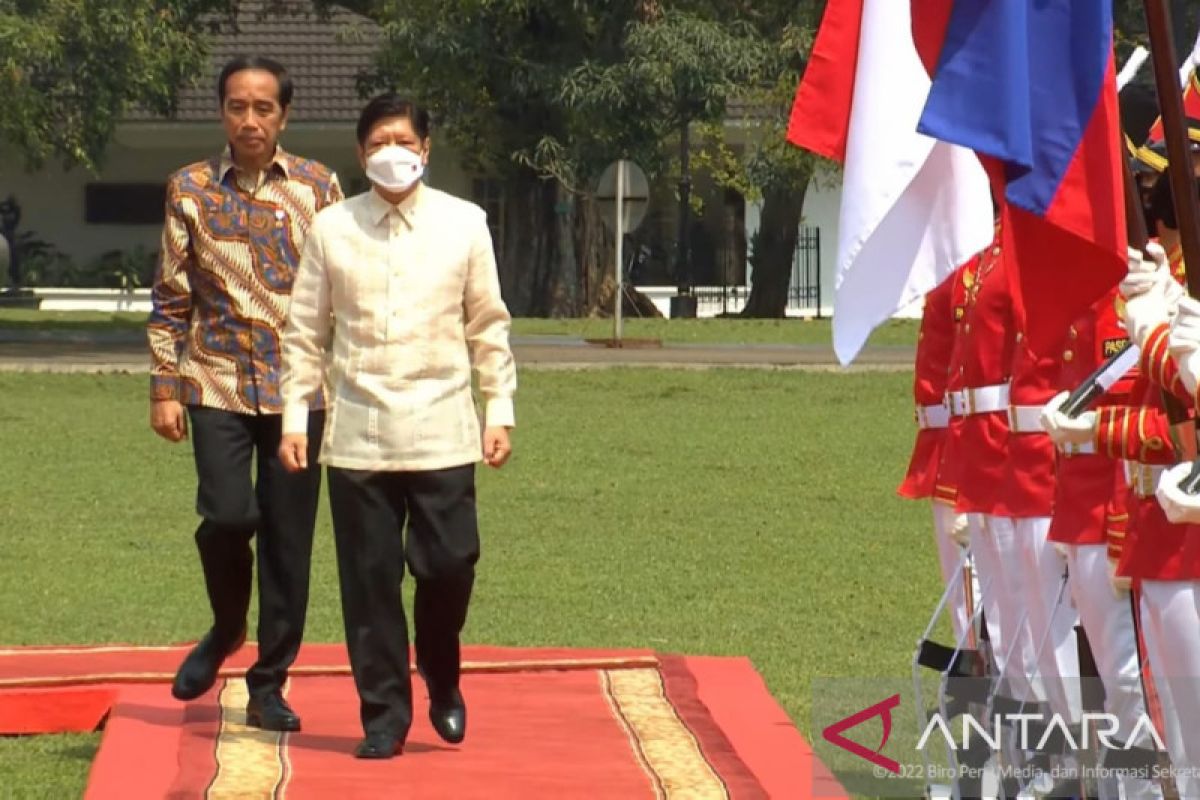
x=125, y=351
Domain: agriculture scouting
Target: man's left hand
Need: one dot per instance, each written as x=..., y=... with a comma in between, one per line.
x=1179, y=507
x=496, y=446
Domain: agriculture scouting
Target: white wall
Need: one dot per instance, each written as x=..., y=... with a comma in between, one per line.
x=821, y=205
x=821, y=208
x=52, y=201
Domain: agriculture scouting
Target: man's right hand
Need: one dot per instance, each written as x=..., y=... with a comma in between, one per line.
x=1149, y=291
x=1066, y=430
x=169, y=420
x=293, y=452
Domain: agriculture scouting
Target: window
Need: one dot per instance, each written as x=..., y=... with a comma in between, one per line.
x=124, y=203
x=488, y=194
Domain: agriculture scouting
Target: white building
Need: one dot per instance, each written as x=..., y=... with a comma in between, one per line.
x=120, y=210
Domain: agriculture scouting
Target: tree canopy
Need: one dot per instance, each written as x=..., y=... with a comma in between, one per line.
x=71, y=69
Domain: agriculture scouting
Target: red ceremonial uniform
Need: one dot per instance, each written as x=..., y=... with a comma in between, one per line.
x=934, y=345
x=977, y=387
x=1154, y=548
x=1140, y=433
x=1029, y=479
x=1089, y=501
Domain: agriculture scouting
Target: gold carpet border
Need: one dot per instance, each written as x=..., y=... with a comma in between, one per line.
x=250, y=761
x=87, y=649
x=633, y=662
x=665, y=748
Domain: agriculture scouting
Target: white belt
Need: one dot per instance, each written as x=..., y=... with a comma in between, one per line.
x=1085, y=449
x=1025, y=419
x=1143, y=478
x=980, y=400
x=933, y=416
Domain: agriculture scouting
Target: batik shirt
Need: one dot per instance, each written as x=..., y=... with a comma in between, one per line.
x=230, y=249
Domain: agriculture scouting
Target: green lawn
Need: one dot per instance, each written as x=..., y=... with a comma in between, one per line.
x=720, y=512
x=32, y=319
x=722, y=331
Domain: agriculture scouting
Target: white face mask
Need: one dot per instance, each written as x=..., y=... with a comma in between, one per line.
x=394, y=168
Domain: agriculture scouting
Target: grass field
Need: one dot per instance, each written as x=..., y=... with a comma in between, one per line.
x=720, y=512
x=726, y=331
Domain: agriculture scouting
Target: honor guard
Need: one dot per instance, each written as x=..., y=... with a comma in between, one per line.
x=940, y=319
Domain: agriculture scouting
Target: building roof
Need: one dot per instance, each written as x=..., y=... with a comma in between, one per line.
x=323, y=55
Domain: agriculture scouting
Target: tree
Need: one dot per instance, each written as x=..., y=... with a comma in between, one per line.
x=492, y=72
x=765, y=167
x=678, y=68
x=543, y=93
x=70, y=69
x=1130, y=20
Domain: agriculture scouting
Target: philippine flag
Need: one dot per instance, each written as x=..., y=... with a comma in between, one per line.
x=1032, y=84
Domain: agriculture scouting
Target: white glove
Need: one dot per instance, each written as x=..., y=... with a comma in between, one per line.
x=1149, y=262
x=961, y=532
x=1065, y=430
x=1147, y=289
x=1179, y=506
x=1184, y=342
x=1149, y=307
x=1175, y=294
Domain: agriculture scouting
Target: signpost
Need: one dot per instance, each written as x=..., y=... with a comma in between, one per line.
x=623, y=194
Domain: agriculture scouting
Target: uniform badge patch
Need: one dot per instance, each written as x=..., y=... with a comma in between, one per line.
x=1114, y=346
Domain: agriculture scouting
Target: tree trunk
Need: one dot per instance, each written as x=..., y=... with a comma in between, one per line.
x=595, y=248
x=538, y=273
x=773, y=250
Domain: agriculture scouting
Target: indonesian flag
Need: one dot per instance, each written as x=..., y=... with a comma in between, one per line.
x=913, y=208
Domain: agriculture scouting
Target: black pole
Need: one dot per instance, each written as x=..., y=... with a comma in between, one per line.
x=684, y=256
x=10, y=218
x=1179, y=158
x=684, y=303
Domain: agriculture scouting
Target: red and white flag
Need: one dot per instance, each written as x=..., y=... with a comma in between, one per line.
x=913, y=208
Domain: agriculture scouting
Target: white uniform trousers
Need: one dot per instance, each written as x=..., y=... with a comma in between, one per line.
x=1040, y=578
x=950, y=559
x=993, y=547
x=1108, y=621
x=1171, y=629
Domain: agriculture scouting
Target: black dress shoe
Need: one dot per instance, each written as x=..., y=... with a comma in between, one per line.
x=378, y=745
x=271, y=713
x=448, y=714
x=199, y=669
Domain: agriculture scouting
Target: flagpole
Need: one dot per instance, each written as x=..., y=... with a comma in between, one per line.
x=1179, y=160
x=1187, y=209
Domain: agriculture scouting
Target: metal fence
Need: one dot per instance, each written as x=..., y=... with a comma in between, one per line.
x=804, y=286
x=804, y=289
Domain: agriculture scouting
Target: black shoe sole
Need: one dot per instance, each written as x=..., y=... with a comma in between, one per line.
x=451, y=739
x=447, y=736
x=257, y=721
x=187, y=696
x=378, y=755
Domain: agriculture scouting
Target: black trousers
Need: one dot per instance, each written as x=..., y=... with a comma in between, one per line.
x=369, y=513
x=235, y=505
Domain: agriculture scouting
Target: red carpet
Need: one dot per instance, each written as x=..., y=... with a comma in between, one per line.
x=543, y=723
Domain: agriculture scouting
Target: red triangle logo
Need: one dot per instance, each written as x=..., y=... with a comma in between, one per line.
x=883, y=710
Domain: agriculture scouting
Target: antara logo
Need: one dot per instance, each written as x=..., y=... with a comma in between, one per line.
x=1021, y=722
x=883, y=710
